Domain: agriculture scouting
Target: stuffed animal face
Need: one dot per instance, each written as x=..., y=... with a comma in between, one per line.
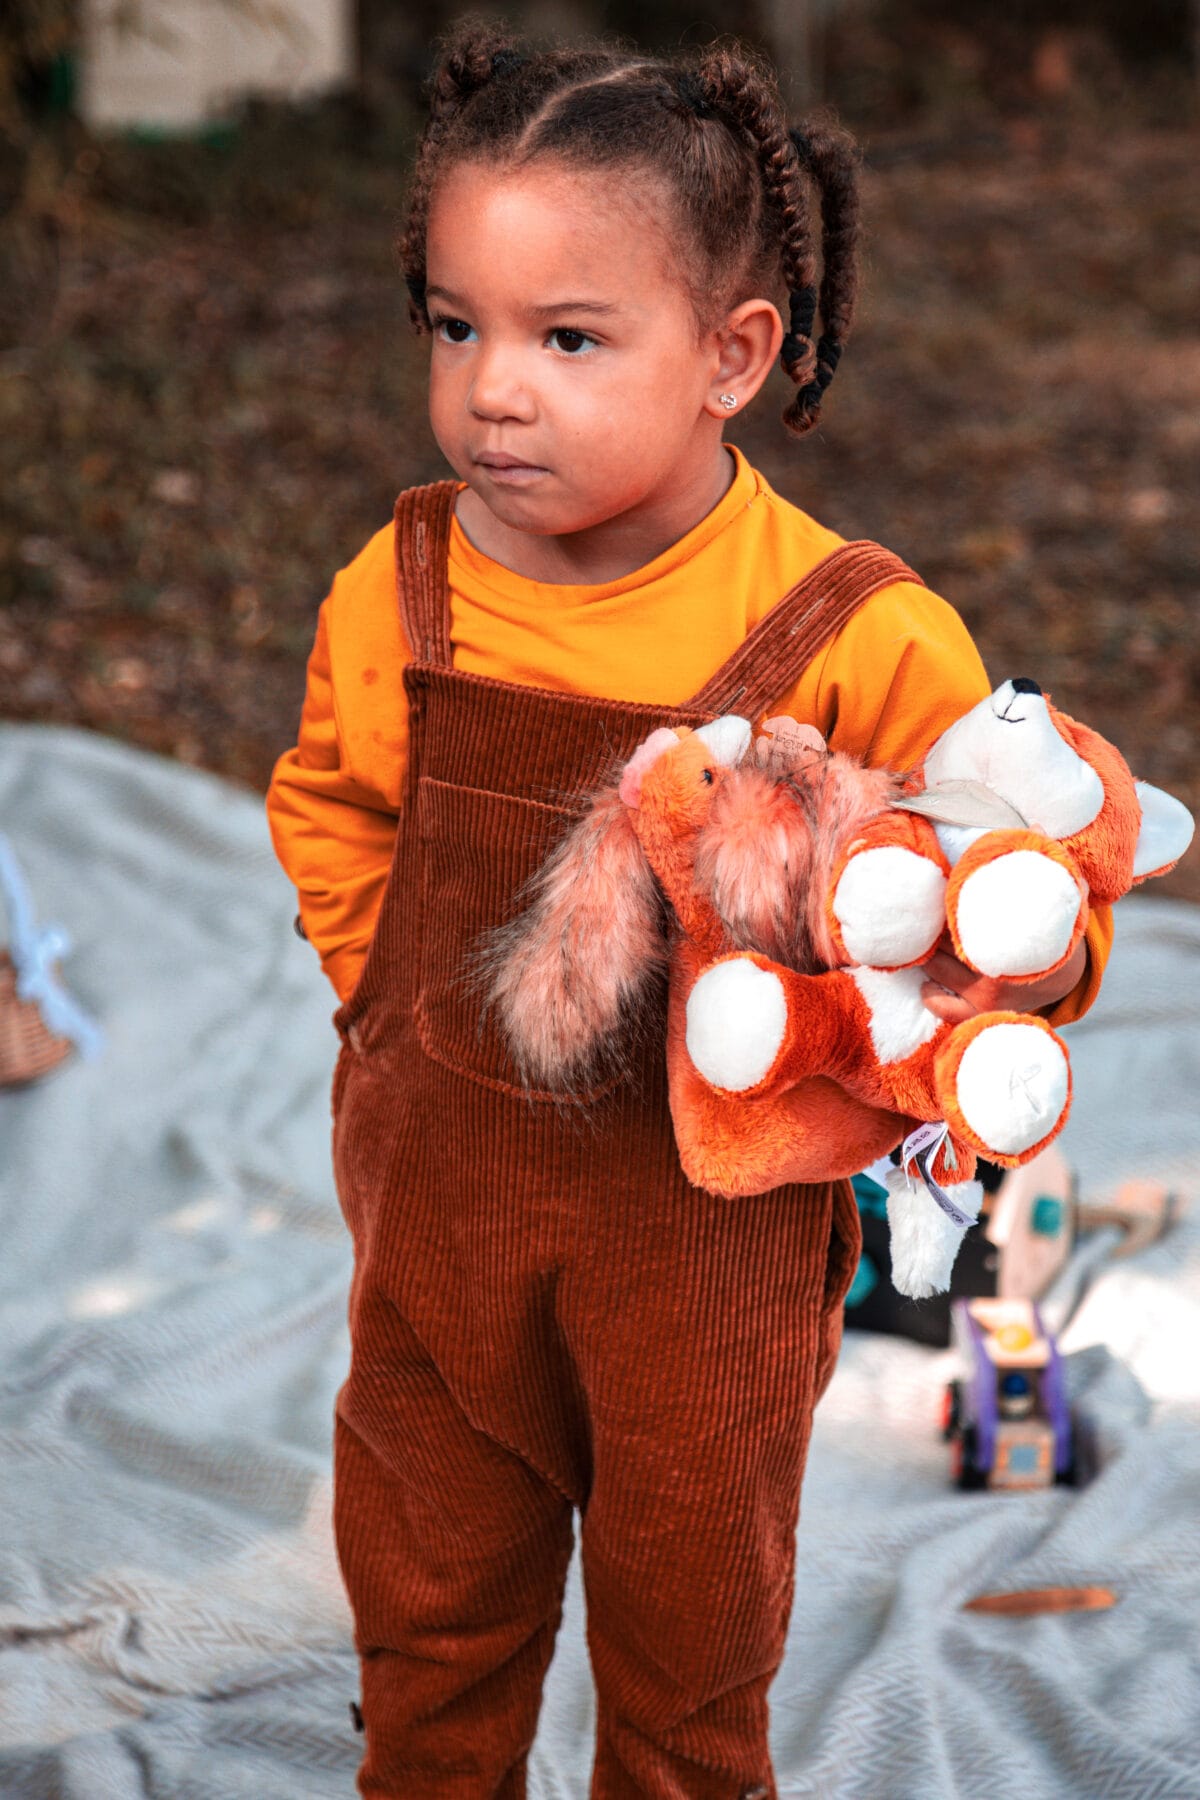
x=670, y=781
x=1062, y=779
x=1012, y=745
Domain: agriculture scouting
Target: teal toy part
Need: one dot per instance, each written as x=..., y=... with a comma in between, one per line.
x=1046, y=1216
x=871, y=1195
x=872, y=1199
x=866, y=1280
x=34, y=951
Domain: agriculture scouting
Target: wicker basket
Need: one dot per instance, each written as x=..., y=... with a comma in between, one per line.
x=27, y=1049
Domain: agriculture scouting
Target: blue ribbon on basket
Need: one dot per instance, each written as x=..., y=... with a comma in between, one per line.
x=35, y=950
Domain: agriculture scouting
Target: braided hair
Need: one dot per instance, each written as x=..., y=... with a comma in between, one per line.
x=711, y=127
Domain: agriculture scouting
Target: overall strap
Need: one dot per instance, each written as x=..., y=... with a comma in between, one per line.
x=423, y=518
x=783, y=644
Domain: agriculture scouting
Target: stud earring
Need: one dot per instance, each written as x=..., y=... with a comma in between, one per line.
x=728, y=401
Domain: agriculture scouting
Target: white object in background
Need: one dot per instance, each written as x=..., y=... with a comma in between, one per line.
x=175, y=64
x=1032, y=1223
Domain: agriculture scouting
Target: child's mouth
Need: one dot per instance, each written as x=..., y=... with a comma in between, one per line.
x=509, y=470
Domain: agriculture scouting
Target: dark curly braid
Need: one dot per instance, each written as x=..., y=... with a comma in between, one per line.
x=738, y=91
x=712, y=129
x=830, y=157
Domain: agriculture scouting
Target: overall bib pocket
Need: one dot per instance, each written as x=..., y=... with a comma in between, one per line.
x=477, y=849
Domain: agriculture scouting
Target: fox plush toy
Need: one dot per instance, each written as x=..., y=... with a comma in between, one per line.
x=805, y=892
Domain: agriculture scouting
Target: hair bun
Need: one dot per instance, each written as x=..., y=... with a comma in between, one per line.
x=506, y=62
x=691, y=92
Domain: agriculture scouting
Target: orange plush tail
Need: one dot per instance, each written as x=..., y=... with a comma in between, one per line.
x=567, y=971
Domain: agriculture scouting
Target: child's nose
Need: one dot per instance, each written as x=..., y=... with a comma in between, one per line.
x=499, y=390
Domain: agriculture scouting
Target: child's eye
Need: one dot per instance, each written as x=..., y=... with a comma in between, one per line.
x=571, y=343
x=454, y=331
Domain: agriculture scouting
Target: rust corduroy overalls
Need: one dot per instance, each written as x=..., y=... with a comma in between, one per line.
x=544, y=1314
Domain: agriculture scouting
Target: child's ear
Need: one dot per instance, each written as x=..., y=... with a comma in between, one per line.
x=748, y=343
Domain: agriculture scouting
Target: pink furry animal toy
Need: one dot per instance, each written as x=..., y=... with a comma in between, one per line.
x=783, y=1065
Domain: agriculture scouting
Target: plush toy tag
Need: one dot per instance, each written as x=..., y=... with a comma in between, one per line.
x=920, y=1148
x=968, y=803
x=788, y=741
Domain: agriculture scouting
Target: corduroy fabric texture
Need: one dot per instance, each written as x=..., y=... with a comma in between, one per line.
x=800, y=625
x=545, y=1316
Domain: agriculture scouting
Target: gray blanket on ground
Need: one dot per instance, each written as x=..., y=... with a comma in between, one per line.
x=172, y=1327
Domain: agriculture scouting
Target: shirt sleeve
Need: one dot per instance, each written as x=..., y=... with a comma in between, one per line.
x=1098, y=937
x=333, y=831
x=899, y=672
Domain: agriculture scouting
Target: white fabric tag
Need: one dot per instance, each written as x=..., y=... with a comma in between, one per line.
x=920, y=1147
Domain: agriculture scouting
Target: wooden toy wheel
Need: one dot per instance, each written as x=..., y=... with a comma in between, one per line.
x=966, y=1475
x=951, y=1409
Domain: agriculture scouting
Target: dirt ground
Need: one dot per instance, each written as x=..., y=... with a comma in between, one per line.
x=218, y=409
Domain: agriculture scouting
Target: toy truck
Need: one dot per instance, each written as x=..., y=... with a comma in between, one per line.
x=1007, y=1418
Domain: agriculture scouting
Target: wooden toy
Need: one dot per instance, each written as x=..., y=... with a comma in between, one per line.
x=1007, y=1419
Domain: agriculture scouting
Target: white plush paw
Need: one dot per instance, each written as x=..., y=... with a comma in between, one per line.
x=924, y=1241
x=890, y=905
x=1017, y=914
x=1013, y=1084
x=736, y=1019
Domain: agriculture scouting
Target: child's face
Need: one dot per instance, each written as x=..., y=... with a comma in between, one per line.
x=568, y=383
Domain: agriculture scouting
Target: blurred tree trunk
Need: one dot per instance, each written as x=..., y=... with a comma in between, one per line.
x=794, y=34
x=33, y=34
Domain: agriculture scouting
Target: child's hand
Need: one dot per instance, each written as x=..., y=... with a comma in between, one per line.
x=954, y=993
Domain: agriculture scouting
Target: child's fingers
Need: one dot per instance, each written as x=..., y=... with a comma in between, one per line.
x=954, y=992
x=951, y=1008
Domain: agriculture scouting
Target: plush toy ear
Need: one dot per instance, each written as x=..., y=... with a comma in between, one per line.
x=728, y=739
x=642, y=761
x=566, y=972
x=1166, y=831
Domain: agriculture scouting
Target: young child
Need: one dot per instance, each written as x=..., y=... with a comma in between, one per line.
x=544, y=1315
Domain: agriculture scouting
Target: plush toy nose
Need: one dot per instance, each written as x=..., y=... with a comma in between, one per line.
x=1023, y=685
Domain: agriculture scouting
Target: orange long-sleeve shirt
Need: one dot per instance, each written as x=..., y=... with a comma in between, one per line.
x=892, y=679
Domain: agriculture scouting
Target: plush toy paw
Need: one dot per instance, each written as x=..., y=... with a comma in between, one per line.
x=1016, y=905
x=924, y=1239
x=1005, y=1083
x=887, y=907
x=736, y=1022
